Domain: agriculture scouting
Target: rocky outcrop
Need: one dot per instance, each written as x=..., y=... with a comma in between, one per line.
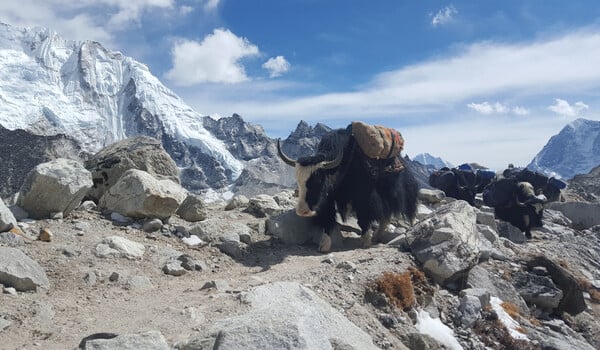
x=142, y=153
x=19, y=271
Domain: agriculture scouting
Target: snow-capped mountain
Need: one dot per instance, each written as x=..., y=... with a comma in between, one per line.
x=428, y=159
x=49, y=85
x=574, y=150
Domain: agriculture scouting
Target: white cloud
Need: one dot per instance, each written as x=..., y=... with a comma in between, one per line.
x=497, y=108
x=211, y=5
x=216, y=59
x=444, y=16
x=563, y=108
x=276, y=66
x=184, y=10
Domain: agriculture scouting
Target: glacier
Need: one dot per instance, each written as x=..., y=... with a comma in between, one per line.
x=50, y=85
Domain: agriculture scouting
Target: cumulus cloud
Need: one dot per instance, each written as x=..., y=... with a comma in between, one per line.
x=563, y=108
x=276, y=66
x=497, y=108
x=216, y=59
x=444, y=16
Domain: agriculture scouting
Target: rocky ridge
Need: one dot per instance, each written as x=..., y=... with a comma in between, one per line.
x=245, y=274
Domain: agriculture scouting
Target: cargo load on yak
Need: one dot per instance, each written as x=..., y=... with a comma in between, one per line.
x=377, y=142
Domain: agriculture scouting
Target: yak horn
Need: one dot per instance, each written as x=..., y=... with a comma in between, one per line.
x=287, y=160
x=333, y=163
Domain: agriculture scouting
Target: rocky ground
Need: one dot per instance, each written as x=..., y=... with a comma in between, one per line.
x=92, y=291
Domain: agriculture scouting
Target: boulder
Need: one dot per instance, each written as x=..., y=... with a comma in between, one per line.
x=583, y=215
x=292, y=229
x=20, y=271
x=192, y=209
x=139, y=195
x=7, y=219
x=222, y=233
x=448, y=243
x=55, y=186
x=282, y=315
x=141, y=152
x=152, y=340
x=538, y=290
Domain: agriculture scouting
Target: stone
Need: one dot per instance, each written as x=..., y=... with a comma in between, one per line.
x=225, y=234
x=470, y=310
x=4, y=323
x=152, y=340
x=7, y=219
x=152, y=225
x=262, y=206
x=90, y=278
x=55, y=186
x=192, y=209
x=174, y=268
x=537, y=290
x=116, y=246
x=510, y=232
x=45, y=235
x=219, y=285
x=485, y=218
x=238, y=201
x=582, y=214
x=141, y=153
x=138, y=282
x=447, y=244
x=139, y=195
x=282, y=315
x=431, y=196
x=20, y=271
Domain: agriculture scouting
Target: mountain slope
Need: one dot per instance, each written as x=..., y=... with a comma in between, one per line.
x=428, y=159
x=574, y=150
x=49, y=85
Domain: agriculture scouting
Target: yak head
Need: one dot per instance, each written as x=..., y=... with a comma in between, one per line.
x=312, y=177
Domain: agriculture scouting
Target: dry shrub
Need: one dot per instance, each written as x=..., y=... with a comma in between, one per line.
x=398, y=288
x=511, y=309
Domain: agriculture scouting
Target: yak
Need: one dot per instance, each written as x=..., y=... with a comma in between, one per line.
x=456, y=183
x=340, y=178
x=515, y=202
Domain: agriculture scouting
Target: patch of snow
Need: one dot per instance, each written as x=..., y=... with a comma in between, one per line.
x=510, y=323
x=192, y=240
x=434, y=328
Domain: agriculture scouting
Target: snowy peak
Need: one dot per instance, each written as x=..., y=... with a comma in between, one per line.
x=428, y=159
x=50, y=85
x=574, y=150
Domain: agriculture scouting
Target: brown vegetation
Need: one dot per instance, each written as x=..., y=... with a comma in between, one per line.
x=404, y=290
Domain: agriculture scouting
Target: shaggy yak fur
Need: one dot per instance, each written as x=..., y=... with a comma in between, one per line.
x=340, y=178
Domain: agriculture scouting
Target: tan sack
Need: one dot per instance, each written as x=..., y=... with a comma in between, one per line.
x=377, y=141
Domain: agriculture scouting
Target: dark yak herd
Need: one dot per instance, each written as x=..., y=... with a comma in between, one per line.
x=359, y=170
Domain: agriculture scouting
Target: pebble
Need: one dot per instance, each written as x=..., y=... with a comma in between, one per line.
x=45, y=235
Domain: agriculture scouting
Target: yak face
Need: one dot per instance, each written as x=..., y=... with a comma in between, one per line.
x=312, y=174
x=310, y=185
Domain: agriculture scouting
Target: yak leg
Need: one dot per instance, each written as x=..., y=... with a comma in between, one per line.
x=325, y=243
x=383, y=224
x=527, y=226
x=367, y=239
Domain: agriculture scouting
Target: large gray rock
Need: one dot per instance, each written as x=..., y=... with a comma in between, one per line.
x=55, y=186
x=282, y=315
x=7, y=219
x=142, y=153
x=448, y=243
x=152, y=340
x=538, y=290
x=582, y=214
x=192, y=209
x=139, y=195
x=226, y=235
x=20, y=271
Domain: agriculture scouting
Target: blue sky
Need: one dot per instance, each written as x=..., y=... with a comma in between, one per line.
x=483, y=81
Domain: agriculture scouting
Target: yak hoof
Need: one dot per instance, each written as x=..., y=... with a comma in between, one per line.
x=325, y=244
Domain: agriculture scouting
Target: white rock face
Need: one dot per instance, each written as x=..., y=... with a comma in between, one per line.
x=20, y=271
x=137, y=194
x=55, y=186
x=119, y=247
x=7, y=219
x=448, y=243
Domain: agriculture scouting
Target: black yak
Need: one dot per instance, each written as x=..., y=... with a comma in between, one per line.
x=340, y=178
